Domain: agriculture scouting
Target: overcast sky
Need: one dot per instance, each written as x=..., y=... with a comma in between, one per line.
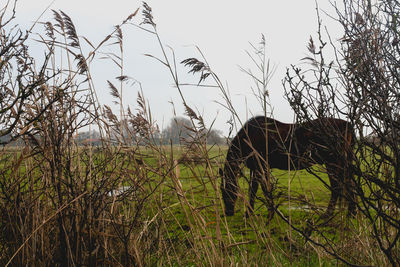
x=221, y=29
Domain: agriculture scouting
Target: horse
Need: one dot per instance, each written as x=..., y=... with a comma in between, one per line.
x=264, y=143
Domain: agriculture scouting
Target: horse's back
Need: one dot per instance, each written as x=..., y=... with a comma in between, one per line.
x=255, y=131
x=263, y=138
x=259, y=135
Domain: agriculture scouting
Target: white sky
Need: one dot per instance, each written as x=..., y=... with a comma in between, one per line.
x=222, y=29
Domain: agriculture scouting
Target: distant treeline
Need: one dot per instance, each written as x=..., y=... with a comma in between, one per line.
x=179, y=131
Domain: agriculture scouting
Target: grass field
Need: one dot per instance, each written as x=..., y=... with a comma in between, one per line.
x=194, y=223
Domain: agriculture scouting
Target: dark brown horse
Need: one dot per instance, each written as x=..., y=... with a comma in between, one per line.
x=323, y=141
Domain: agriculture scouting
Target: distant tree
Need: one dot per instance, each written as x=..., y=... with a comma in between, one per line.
x=180, y=130
x=177, y=130
x=89, y=137
x=215, y=137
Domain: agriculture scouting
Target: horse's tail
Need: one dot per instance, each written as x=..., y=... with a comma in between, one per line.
x=350, y=141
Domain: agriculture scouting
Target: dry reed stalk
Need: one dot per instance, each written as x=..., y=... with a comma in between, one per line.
x=41, y=225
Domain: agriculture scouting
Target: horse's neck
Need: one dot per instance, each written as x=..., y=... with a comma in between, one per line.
x=231, y=169
x=233, y=161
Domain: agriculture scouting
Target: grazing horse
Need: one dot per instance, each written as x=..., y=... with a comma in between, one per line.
x=264, y=143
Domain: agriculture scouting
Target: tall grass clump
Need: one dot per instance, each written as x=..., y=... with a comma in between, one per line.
x=60, y=203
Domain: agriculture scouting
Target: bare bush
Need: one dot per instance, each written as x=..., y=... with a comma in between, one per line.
x=362, y=85
x=22, y=83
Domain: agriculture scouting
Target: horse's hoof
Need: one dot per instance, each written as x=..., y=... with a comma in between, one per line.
x=229, y=213
x=326, y=215
x=352, y=214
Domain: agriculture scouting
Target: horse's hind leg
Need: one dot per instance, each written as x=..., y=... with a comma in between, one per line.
x=352, y=209
x=351, y=198
x=335, y=192
x=340, y=187
x=253, y=187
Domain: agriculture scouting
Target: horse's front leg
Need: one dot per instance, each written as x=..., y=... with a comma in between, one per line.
x=352, y=209
x=267, y=189
x=253, y=187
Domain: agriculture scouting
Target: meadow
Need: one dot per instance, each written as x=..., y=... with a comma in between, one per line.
x=166, y=209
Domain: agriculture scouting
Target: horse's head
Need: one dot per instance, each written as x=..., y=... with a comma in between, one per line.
x=228, y=189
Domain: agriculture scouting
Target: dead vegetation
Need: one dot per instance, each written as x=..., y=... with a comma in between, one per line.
x=134, y=201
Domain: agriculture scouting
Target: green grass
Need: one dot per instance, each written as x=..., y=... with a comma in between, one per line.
x=254, y=236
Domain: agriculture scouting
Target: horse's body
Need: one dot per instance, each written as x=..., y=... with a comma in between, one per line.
x=323, y=141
